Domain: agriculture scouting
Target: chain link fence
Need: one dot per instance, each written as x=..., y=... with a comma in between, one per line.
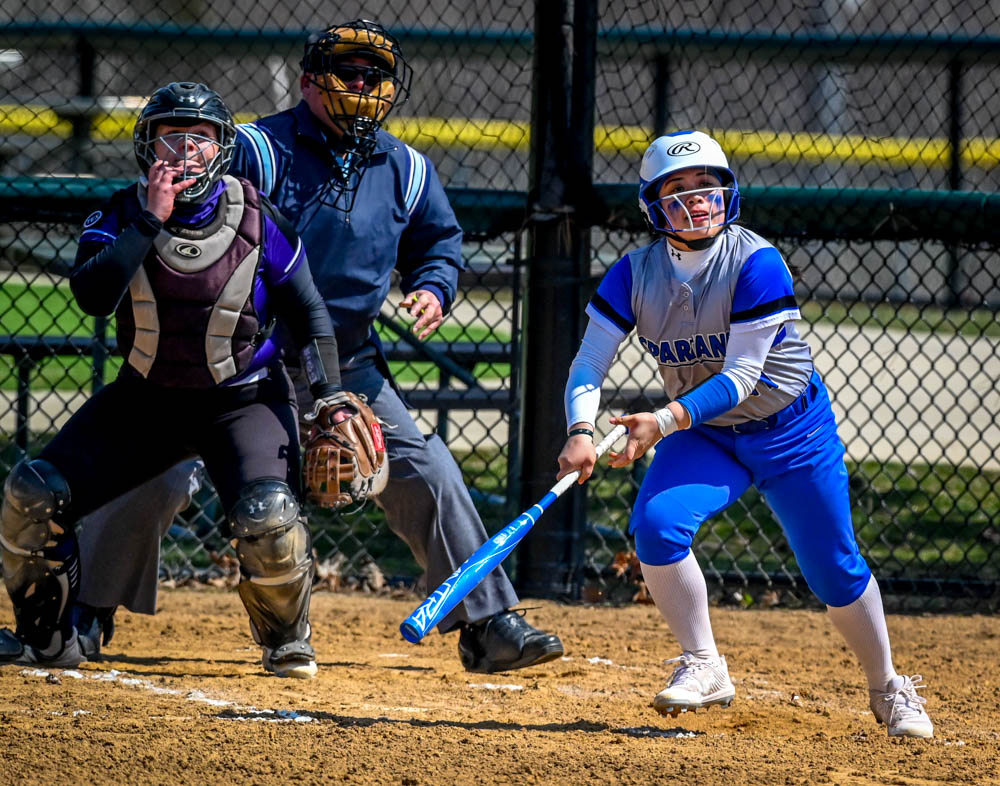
x=865, y=140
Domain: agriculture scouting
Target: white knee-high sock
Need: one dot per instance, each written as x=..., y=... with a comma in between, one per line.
x=862, y=624
x=681, y=596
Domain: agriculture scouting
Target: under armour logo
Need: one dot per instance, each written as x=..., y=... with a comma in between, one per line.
x=675, y=254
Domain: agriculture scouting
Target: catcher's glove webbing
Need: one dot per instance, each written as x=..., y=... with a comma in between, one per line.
x=344, y=462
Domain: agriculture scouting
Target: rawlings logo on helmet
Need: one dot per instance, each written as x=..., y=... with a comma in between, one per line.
x=683, y=149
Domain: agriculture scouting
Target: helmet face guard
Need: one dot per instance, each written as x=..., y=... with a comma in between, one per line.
x=333, y=62
x=186, y=104
x=671, y=214
x=669, y=154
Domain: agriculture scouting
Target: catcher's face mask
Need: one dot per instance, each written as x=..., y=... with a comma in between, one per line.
x=192, y=150
x=357, y=75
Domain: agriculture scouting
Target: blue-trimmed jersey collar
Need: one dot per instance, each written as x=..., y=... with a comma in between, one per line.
x=309, y=126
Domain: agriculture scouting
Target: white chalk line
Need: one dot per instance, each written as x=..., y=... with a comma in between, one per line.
x=647, y=731
x=493, y=686
x=598, y=661
x=235, y=711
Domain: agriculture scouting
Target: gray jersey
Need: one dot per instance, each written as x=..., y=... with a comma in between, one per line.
x=685, y=325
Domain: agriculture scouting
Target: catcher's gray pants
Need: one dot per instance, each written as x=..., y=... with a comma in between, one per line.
x=426, y=503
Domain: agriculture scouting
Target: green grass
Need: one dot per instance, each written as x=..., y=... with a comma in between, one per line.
x=46, y=310
x=41, y=310
x=931, y=521
x=450, y=332
x=975, y=323
x=429, y=373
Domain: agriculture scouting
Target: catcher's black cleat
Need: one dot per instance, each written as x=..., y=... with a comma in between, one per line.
x=504, y=642
x=95, y=626
x=11, y=647
x=297, y=659
x=66, y=655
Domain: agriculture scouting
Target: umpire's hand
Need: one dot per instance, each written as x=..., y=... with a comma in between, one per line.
x=425, y=306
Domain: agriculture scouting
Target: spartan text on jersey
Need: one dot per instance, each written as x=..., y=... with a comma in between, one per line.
x=684, y=352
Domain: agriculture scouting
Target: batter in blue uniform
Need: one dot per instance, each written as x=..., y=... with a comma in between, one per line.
x=195, y=264
x=367, y=207
x=713, y=303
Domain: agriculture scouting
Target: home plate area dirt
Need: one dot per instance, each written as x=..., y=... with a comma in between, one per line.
x=181, y=698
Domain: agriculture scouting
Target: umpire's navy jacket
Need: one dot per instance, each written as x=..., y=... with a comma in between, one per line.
x=401, y=217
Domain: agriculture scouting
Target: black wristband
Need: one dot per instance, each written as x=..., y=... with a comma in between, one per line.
x=148, y=224
x=587, y=431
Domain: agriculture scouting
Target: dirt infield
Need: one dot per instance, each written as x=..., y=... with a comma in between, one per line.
x=181, y=698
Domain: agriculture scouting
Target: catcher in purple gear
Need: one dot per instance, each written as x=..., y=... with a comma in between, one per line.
x=368, y=207
x=196, y=265
x=714, y=304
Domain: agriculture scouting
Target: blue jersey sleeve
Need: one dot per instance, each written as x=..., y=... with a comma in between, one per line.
x=254, y=158
x=612, y=302
x=430, y=249
x=764, y=293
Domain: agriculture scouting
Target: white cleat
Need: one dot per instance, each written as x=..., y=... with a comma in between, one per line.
x=696, y=683
x=901, y=709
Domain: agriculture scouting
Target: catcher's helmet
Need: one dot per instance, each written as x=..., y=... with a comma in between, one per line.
x=186, y=104
x=672, y=153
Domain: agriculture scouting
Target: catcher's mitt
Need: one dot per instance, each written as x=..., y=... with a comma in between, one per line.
x=344, y=462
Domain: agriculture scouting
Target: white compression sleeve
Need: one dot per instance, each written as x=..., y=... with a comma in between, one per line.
x=745, y=353
x=862, y=624
x=681, y=596
x=586, y=375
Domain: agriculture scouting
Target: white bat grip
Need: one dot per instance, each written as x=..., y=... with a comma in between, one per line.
x=613, y=436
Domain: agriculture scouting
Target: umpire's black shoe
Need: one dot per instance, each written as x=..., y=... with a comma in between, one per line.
x=504, y=642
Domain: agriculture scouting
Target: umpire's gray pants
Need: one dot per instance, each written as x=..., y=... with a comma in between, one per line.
x=120, y=542
x=426, y=503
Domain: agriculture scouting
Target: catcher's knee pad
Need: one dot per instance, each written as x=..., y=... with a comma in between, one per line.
x=273, y=546
x=41, y=561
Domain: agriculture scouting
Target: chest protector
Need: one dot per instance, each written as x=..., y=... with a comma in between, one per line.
x=188, y=320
